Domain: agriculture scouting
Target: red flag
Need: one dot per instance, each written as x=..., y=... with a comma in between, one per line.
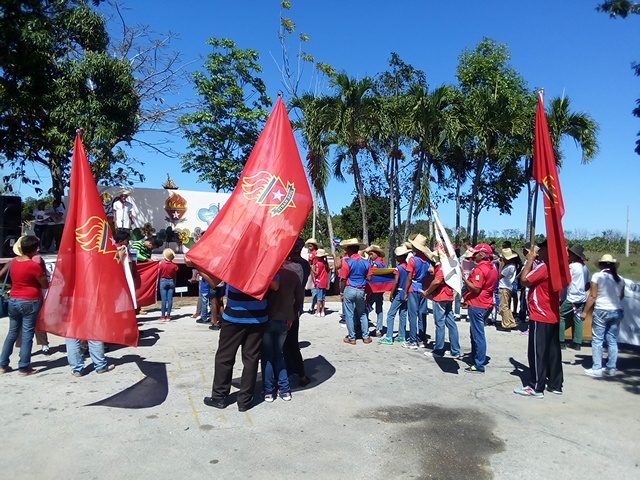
x=545, y=172
x=89, y=298
x=147, y=282
x=254, y=232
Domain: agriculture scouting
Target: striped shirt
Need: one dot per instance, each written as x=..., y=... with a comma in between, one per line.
x=242, y=308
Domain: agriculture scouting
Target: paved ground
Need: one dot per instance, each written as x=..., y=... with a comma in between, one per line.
x=372, y=412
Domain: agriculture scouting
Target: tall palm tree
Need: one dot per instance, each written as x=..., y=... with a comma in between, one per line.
x=353, y=110
x=315, y=125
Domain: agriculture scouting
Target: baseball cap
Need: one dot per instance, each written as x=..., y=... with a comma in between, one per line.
x=482, y=247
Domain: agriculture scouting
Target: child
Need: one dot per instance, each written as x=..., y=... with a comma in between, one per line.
x=398, y=301
x=321, y=279
x=167, y=272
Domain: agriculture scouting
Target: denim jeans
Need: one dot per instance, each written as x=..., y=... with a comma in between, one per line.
x=456, y=304
x=76, y=360
x=443, y=315
x=417, y=311
x=205, y=310
x=274, y=368
x=167, y=288
x=355, y=310
x=23, y=315
x=377, y=299
x=477, y=317
x=605, y=325
x=397, y=305
x=314, y=298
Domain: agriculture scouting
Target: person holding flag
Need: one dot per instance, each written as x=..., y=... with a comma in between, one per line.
x=419, y=268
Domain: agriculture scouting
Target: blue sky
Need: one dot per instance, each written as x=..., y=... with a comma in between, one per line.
x=566, y=47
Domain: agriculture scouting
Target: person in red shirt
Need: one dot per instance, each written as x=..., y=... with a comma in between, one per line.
x=28, y=279
x=442, y=296
x=167, y=272
x=320, y=270
x=545, y=358
x=353, y=280
x=312, y=248
x=480, y=284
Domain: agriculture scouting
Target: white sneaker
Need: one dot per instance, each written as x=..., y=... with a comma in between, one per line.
x=593, y=373
x=610, y=372
x=322, y=314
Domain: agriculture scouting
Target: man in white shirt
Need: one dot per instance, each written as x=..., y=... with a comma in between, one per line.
x=505, y=285
x=56, y=214
x=122, y=211
x=576, y=297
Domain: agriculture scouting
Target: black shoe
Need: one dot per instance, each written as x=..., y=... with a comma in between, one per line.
x=576, y=346
x=342, y=321
x=211, y=402
x=215, y=326
x=244, y=408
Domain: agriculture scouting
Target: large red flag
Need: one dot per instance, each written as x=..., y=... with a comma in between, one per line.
x=254, y=232
x=545, y=172
x=88, y=298
x=147, y=282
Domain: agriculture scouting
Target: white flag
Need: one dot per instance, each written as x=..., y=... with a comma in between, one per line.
x=450, y=264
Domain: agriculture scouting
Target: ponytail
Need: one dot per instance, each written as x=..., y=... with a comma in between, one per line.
x=612, y=269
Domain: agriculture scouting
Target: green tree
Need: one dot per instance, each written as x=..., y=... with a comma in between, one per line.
x=56, y=75
x=354, y=110
x=233, y=107
x=377, y=211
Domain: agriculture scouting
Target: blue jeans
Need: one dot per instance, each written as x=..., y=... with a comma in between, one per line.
x=76, y=360
x=443, y=315
x=397, y=305
x=314, y=298
x=167, y=288
x=417, y=311
x=477, y=317
x=23, y=315
x=355, y=310
x=377, y=299
x=456, y=305
x=205, y=311
x=273, y=365
x=605, y=328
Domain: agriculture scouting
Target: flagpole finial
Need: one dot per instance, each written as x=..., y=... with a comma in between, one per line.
x=279, y=93
x=540, y=91
x=80, y=131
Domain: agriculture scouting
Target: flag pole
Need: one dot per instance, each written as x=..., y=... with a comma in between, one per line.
x=534, y=210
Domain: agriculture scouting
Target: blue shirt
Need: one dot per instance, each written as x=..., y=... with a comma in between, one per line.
x=243, y=308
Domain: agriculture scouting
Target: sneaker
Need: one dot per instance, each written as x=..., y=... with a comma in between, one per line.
x=286, y=396
x=106, y=369
x=555, y=391
x=46, y=350
x=434, y=354
x=528, y=392
x=6, y=369
x=76, y=374
x=27, y=371
x=269, y=398
x=423, y=344
x=610, y=372
x=385, y=341
x=322, y=314
x=400, y=341
x=593, y=373
x=455, y=356
x=524, y=332
x=410, y=345
x=215, y=326
x=379, y=333
x=473, y=369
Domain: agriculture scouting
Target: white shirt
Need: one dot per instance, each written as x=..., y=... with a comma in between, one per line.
x=122, y=213
x=59, y=209
x=608, y=291
x=41, y=217
x=508, y=276
x=576, y=292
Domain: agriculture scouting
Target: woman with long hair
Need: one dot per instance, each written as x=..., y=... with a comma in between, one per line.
x=605, y=299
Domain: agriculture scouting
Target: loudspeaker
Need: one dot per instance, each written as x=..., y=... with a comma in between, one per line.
x=10, y=223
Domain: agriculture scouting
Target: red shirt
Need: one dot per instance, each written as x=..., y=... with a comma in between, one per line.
x=485, y=277
x=312, y=256
x=24, y=279
x=322, y=275
x=168, y=269
x=444, y=293
x=544, y=304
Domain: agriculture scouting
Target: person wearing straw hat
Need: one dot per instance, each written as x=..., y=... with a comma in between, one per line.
x=321, y=279
x=167, y=273
x=376, y=260
x=573, y=304
x=605, y=299
x=480, y=284
x=419, y=268
x=505, y=285
x=312, y=247
x=122, y=210
x=353, y=280
x=398, y=299
x=545, y=357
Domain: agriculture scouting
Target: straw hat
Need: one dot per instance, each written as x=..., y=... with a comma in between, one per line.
x=351, y=242
x=311, y=241
x=401, y=250
x=407, y=245
x=168, y=254
x=468, y=253
x=607, y=258
x=17, y=247
x=420, y=243
x=578, y=250
x=508, y=254
x=321, y=253
x=375, y=248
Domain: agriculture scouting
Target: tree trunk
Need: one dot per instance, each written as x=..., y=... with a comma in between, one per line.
x=476, y=215
x=57, y=182
x=392, y=208
x=458, y=188
x=361, y=197
x=412, y=197
x=396, y=184
x=323, y=196
x=474, y=197
x=315, y=214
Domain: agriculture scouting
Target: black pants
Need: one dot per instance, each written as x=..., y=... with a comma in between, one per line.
x=545, y=359
x=292, y=355
x=232, y=336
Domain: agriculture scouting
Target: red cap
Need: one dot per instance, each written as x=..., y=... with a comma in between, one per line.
x=483, y=247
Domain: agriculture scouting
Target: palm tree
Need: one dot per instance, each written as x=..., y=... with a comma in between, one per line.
x=315, y=126
x=353, y=110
